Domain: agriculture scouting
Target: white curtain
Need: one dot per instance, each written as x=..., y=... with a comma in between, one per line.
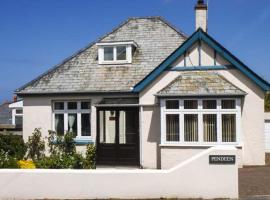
x=56, y=122
x=71, y=120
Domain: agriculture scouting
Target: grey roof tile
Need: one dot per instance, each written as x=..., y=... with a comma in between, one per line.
x=201, y=83
x=5, y=114
x=156, y=40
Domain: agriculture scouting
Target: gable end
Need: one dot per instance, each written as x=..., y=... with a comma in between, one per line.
x=200, y=35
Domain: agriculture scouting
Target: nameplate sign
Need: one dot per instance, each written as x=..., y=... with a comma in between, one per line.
x=222, y=159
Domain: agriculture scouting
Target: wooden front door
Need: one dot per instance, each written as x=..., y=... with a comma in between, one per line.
x=118, y=136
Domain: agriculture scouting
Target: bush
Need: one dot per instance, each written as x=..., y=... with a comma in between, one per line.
x=62, y=151
x=90, y=157
x=61, y=161
x=7, y=161
x=67, y=143
x=35, y=145
x=13, y=145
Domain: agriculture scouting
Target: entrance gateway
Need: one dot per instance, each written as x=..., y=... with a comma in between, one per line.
x=118, y=136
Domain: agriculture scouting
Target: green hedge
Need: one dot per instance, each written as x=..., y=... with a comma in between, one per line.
x=13, y=145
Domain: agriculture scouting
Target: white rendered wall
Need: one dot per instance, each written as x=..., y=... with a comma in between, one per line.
x=194, y=178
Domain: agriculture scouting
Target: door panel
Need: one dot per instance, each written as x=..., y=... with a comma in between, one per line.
x=128, y=151
x=118, y=136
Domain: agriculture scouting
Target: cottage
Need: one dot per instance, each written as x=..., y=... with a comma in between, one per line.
x=148, y=95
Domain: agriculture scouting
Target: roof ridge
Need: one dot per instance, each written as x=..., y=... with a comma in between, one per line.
x=164, y=20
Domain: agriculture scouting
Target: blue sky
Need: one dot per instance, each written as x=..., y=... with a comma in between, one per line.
x=37, y=34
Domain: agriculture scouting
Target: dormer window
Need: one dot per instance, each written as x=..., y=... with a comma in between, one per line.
x=115, y=52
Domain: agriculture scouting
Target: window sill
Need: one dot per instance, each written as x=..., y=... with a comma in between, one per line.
x=237, y=145
x=79, y=141
x=114, y=62
x=83, y=141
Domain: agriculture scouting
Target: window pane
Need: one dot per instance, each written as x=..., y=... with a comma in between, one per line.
x=210, y=127
x=59, y=124
x=107, y=127
x=85, y=122
x=85, y=105
x=19, y=111
x=209, y=104
x=228, y=104
x=72, y=105
x=72, y=123
x=18, y=121
x=191, y=127
x=172, y=104
x=121, y=53
x=108, y=53
x=172, y=127
x=228, y=128
x=59, y=106
x=128, y=126
x=190, y=104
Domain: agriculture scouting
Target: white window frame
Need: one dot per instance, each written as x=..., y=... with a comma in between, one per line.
x=77, y=111
x=128, y=46
x=200, y=111
x=15, y=114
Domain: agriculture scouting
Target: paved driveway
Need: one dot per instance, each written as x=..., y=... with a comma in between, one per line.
x=254, y=182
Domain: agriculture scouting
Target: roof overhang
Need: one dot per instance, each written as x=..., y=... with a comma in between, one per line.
x=200, y=35
x=198, y=95
x=114, y=43
x=17, y=104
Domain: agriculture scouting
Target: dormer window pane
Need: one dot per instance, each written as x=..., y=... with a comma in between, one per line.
x=108, y=53
x=121, y=53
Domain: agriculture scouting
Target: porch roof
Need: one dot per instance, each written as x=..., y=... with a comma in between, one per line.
x=118, y=102
x=200, y=83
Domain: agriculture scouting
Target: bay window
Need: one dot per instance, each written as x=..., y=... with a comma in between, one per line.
x=200, y=121
x=72, y=116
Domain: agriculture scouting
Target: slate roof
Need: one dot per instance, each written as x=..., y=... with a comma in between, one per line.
x=203, y=83
x=5, y=114
x=156, y=39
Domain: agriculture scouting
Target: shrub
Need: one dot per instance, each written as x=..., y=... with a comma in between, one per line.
x=67, y=143
x=26, y=164
x=90, y=157
x=62, y=153
x=7, y=161
x=13, y=145
x=61, y=161
x=35, y=145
